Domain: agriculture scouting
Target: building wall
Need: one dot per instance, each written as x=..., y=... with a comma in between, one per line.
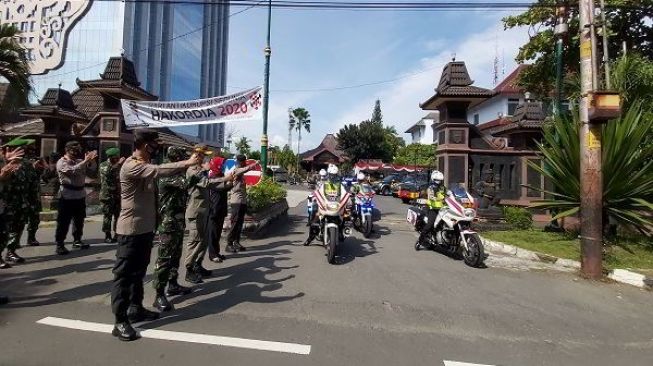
x=423, y=134
x=490, y=109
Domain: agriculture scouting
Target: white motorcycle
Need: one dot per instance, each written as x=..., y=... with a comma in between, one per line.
x=452, y=228
x=332, y=219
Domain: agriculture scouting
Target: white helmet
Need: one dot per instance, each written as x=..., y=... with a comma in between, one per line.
x=332, y=169
x=360, y=176
x=437, y=176
x=323, y=173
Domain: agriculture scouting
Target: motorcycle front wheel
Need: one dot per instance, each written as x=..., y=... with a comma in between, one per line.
x=474, y=255
x=367, y=229
x=332, y=241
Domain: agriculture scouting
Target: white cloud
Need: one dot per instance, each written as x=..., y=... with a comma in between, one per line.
x=400, y=100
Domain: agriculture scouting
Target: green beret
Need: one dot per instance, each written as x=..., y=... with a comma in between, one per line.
x=112, y=152
x=19, y=142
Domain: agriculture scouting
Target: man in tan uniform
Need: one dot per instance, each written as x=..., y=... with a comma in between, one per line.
x=136, y=225
x=197, y=212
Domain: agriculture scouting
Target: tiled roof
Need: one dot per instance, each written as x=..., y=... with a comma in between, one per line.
x=168, y=137
x=494, y=123
x=4, y=87
x=56, y=102
x=432, y=115
x=120, y=68
x=329, y=143
x=454, y=74
x=509, y=84
x=27, y=128
x=58, y=97
x=529, y=111
x=88, y=102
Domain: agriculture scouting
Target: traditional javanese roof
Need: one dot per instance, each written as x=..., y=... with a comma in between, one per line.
x=88, y=102
x=455, y=82
x=509, y=84
x=528, y=115
x=328, y=144
x=119, y=77
x=28, y=128
x=56, y=103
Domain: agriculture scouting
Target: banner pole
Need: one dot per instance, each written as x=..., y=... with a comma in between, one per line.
x=266, y=96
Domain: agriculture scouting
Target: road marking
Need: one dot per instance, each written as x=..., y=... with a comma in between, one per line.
x=301, y=349
x=454, y=363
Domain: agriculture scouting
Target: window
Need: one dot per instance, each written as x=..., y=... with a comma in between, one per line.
x=48, y=146
x=476, y=119
x=441, y=138
x=533, y=180
x=109, y=124
x=512, y=106
x=457, y=137
x=511, y=176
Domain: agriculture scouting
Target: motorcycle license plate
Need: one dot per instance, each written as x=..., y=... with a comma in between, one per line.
x=411, y=217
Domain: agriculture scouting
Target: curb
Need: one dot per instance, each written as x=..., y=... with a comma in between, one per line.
x=619, y=275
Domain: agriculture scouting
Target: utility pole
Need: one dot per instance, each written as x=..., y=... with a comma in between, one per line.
x=591, y=179
x=266, y=96
x=560, y=31
x=606, y=55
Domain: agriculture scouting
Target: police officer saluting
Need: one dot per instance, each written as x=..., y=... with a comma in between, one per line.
x=71, y=169
x=110, y=192
x=136, y=225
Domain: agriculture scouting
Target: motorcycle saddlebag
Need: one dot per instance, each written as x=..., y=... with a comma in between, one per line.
x=414, y=215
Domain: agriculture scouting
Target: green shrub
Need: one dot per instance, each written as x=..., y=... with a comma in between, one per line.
x=517, y=217
x=264, y=194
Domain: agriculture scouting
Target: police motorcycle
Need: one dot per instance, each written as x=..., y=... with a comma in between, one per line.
x=452, y=231
x=311, y=204
x=332, y=215
x=363, y=207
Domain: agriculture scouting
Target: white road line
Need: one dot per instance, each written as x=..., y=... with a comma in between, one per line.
x=454, y=363
x=300, y=349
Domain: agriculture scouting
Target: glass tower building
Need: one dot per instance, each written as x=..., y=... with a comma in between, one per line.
x=179, y=50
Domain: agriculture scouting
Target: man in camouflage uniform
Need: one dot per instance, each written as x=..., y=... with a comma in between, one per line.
x=110, y=192
x=35, y=207
x=20, y=190
x=172, y=205
x=9, y=165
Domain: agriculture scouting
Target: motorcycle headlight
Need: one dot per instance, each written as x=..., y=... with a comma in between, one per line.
x=469, y=212
x=332, y=206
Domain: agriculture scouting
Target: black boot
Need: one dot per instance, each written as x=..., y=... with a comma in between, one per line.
x=13, y=257
x=162, y=303
x=31, y=240
x=192, y=276
x=107, y=237
x=239, y=247
x=61, y=249
x=175, y=289
x=203, y=271
x=231, y=248
x=3, y=264
x=78, y=243
x=137, y=314
x=124, y=331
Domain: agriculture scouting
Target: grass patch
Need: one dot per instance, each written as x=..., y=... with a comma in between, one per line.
x=627, y=253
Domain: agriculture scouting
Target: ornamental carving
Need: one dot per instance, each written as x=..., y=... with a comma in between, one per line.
x=44, y=26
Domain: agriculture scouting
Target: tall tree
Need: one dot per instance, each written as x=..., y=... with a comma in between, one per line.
x=286, y=158
x=377, y=116
x=416, y=154
x=366, y=140
x=628, y=22
x=242, y=145
x=300, y=119
x=14, y=68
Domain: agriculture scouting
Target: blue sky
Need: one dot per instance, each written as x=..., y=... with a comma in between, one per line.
x=326, y=49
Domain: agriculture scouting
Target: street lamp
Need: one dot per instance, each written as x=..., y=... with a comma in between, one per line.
x=560, y=32
x=266, y=95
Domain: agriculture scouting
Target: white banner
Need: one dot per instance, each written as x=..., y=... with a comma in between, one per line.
x=241, y=106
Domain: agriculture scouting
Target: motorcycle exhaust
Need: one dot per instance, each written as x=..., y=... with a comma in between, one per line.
x=347, y=232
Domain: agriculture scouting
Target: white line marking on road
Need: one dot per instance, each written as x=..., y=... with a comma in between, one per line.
x=454, y=363
x=301, y=349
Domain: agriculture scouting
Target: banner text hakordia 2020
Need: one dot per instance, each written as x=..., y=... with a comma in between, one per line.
x=245, y=105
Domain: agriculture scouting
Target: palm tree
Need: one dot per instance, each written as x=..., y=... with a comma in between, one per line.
x=242, y=145
x=14, y=67
x=299, y=118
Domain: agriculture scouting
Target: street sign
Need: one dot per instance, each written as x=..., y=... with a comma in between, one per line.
x=252, y=177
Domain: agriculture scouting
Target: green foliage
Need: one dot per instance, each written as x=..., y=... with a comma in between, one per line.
x=14, y=68
x=286, y=158
x=518, y=218
x=299, y=118
x=242, y=145
x=264, y=194
x=370, y=139
x=627, y=167
x=254, y=154
x=632, y=76
x=627, y=20
x=416, y=154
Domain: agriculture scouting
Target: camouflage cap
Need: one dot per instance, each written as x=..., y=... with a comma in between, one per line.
x=176, y=153
x=112, y=152
x=17, y=142
x=72, y=143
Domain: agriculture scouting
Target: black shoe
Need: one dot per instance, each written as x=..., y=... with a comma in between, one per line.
x=140, y=314
x=80, y=244
x=107, y=238
x=193, y=277
x=216, y=259
x=4, y=300
x=32, y=242
x=175, y=289
x=240, y=248
x=231, y=248
x=61, y=250
x=114, y=239
x=162, y=303
x=124, y=332
x=204, y=272
x=13, y=257
x=307, y=243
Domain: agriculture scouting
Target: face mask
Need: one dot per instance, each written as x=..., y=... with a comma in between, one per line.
x=153, y=151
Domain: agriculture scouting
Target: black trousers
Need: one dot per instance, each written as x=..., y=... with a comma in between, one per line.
x=214, y=232
x=237, y=220
x=70, y=210
x=132, y=258
x=431, y=216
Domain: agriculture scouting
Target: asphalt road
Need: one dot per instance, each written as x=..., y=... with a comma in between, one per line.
x=383, y=304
